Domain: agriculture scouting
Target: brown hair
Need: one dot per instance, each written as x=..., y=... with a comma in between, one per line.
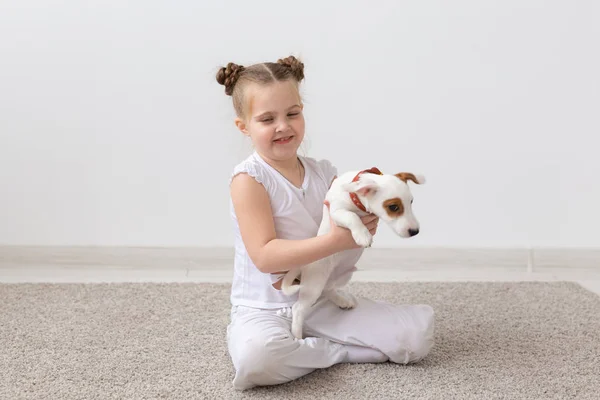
x=235, y=77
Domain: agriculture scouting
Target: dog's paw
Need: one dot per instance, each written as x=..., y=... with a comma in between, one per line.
x=297, y=329
x=343, y=299
x=362, y=237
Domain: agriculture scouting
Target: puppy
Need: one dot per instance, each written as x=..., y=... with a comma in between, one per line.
x=352, y=195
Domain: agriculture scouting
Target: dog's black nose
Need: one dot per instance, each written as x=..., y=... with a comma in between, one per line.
x=413, y=232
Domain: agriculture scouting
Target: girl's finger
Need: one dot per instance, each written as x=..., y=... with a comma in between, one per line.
x=369, y=218
x=371, y=225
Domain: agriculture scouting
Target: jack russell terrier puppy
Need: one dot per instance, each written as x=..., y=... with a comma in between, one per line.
x=352, y=195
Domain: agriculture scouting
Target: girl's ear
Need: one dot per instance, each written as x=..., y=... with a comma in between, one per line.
x=241, y=125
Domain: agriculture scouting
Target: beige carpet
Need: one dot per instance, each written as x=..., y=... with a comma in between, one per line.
x=146, y=341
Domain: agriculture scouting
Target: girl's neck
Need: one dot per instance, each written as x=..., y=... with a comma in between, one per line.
x=285, y=165
x=291, y=169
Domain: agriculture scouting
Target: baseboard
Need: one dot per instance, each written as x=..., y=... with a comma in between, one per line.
x=422, y=258
x=97, y=256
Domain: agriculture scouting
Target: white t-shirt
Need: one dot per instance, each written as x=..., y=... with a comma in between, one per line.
x=297, y=214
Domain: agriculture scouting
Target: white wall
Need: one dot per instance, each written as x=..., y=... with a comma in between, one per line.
x=113, y=130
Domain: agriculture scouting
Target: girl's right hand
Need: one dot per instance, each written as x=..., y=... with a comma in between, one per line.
x=342, y=237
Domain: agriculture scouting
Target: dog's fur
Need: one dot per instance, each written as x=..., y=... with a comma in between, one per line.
x=386, y=196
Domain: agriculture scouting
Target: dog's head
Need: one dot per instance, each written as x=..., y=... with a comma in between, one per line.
x=389, y=197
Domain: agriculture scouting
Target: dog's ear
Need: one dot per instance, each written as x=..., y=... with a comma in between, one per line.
x=364, y=186
x=408, y=176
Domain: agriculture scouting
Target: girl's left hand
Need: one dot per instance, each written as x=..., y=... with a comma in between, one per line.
x=371, y=222
x=344, y=236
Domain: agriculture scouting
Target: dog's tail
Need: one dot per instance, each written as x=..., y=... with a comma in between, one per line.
x=287, y=285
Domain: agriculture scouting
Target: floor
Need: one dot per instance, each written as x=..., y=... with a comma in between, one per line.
x=90, y=265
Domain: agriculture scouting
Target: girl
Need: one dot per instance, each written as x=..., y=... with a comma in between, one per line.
x=276, y=206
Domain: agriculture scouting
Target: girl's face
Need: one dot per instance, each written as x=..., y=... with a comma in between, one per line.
x=274, y=119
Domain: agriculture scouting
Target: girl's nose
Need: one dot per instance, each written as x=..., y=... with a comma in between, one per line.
x=283, y=126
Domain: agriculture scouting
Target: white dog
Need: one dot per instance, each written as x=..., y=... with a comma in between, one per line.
x=352, y=195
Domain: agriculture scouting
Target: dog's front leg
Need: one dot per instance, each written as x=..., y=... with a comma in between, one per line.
x=350, y=220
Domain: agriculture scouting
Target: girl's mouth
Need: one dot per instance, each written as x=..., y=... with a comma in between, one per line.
x=284, y=140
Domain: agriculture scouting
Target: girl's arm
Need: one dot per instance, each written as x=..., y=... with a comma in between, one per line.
x=267, y=252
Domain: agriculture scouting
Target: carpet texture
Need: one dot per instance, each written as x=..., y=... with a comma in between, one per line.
x=146, y=341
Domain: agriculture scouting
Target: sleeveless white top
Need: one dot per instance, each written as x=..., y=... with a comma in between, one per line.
x=297, y=214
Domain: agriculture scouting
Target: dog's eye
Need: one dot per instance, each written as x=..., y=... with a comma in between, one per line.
x=393, y=208
x=412, y=201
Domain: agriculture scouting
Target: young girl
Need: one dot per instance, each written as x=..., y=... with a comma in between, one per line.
x=276, y=205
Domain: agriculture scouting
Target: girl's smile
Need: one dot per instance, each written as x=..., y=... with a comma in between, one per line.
x=284, y=140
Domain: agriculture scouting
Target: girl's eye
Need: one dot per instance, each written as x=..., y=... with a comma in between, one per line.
x=267, y=120
x=293, y=114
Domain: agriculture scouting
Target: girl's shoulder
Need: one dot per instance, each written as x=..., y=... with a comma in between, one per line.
x=322, y=166
x=254, y=168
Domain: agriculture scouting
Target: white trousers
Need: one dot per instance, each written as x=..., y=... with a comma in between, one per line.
x=264, y=352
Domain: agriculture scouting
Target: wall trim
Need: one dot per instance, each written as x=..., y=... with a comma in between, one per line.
x=531, y=259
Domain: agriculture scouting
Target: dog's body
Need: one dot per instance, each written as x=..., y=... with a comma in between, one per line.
x=352, y=195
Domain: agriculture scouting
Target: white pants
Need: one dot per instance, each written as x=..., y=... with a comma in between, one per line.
x=264, y=352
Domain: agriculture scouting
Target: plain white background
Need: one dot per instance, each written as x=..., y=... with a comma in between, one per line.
x=114, y=131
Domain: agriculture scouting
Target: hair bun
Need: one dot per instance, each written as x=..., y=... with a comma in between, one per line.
x=228, y=76
x=296, y=66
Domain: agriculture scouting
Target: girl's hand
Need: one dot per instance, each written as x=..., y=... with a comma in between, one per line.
x=342, y=237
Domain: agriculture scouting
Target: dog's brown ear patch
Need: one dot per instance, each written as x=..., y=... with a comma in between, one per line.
x=394, y=207
x=407, y=176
